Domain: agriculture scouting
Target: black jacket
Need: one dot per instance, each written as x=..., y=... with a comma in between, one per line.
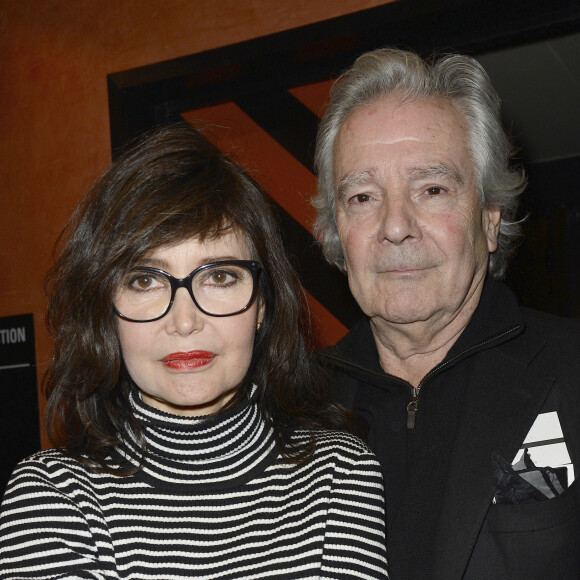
x=509, y=365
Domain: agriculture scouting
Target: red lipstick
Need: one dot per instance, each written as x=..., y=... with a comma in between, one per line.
x=188, y=360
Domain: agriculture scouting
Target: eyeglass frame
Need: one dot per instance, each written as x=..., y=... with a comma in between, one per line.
x=253, y=266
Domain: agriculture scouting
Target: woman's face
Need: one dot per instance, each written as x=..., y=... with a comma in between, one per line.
x=190, y=363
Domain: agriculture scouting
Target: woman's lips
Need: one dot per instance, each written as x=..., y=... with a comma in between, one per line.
x=188, y=360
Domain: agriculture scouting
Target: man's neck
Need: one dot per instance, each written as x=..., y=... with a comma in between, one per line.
x=410, y=350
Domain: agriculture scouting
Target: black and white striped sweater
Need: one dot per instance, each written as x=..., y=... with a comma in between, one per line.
x=214, y=500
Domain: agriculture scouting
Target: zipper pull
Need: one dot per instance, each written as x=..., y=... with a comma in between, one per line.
x=411, y=410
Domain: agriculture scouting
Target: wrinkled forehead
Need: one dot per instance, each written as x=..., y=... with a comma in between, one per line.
x=418, y=136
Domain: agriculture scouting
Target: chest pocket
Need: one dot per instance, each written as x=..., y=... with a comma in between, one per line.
x=529, y=541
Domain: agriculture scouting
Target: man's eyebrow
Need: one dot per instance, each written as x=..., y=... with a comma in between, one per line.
x=436, y=170
x=360, y=177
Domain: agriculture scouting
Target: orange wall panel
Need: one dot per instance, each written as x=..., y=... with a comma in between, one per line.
x=285, y=179
x=313, y=95
x=54, y=61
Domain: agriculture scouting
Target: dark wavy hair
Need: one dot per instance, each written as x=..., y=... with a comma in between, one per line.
x=171, y=186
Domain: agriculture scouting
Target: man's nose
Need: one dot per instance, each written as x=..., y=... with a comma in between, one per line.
x=184, y=317
x=397, y=219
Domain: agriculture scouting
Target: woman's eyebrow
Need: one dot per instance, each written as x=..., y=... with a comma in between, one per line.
x=220, y=258
x=154, y=262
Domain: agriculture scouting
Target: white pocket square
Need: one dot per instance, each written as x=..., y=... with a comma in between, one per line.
x=546, y=446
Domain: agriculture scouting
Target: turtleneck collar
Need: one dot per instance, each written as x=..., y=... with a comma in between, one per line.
x=218, y=451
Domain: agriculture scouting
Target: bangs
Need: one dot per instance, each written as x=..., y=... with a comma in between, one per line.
x=205, y=219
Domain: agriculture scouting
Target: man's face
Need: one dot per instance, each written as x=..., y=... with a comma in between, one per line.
x=414, y=236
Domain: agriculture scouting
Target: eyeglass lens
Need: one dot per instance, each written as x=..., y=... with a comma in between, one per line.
x=220, y=289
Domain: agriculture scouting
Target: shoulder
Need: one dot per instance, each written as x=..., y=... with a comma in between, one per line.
x=342, y=448
x=560, y=337
x=349, y=469
x=49, y=468
x=341, y=443
x=356, y=343
x=352, y=361
x=547, y=351
x=48, y=481
x=47, y=461
x=556, y=326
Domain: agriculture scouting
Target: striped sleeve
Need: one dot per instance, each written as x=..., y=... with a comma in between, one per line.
x=354, y=546
x=44, y=531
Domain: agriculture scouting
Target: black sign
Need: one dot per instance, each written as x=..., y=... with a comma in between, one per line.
x=19, y=421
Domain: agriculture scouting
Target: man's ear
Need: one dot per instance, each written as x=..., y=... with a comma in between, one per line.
x=491, y=219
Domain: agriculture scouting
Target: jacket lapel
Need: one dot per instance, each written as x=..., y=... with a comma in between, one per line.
x=500, y=405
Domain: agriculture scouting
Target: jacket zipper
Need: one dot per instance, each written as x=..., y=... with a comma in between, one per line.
x=413, y=405
x=412, y=408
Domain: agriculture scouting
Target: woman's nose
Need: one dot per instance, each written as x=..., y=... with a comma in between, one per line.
x=184, y=316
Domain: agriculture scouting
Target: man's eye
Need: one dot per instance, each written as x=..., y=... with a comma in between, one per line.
x=360, y=198
x=434, y=190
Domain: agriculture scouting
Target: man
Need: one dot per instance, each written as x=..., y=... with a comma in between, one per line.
x=417, y=202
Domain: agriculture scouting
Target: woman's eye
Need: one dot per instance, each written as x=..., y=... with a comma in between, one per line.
x=220, y=277
x=142, y=282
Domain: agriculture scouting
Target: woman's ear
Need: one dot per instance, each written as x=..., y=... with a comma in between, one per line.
x=261, y=314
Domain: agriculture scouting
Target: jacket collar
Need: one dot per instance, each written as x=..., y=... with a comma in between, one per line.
x=496, y=319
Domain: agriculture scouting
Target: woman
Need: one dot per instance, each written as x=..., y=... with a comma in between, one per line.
x=195, y=439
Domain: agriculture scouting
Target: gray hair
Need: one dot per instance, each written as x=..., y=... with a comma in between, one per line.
x=461, y=80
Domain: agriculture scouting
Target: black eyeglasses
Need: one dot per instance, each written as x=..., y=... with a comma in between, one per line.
x=222, y=288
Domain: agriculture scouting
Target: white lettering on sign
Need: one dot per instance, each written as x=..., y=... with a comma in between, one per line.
x=12, y=335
